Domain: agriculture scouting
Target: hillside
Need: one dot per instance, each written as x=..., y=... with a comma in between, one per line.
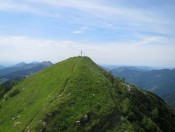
x=21, y=70
x=170, y=99
x=77, y=95
x=137, y=68
x=160, y=82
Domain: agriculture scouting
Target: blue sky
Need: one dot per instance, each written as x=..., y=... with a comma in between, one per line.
x=123, y=32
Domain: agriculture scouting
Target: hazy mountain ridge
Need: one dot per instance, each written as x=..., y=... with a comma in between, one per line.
x=78, y=95
x=22, y=69
x=1, y=67
x=137, y=68
x=161, y=82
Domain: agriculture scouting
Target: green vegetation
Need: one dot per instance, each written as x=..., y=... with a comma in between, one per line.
x=77, y=95
x=160, y=82
x=170, y=99
x=13, y=92
x=7, y=86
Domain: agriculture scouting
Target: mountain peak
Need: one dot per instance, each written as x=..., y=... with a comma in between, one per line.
x=47, y=63
x=19, y=64
x=78, y=95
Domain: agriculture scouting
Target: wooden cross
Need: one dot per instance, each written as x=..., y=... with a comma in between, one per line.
x=81, y=53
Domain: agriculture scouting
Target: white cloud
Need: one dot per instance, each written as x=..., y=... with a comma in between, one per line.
x=81, y=30
x=91, y=12
x=22, y=48
x=140, y=50
x=103, y=11
x=8, y=5
x=154, y=40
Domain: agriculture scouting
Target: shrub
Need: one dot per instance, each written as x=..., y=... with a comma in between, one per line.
x=14, y=92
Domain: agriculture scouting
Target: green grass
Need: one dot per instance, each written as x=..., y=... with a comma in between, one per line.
x=55, y=98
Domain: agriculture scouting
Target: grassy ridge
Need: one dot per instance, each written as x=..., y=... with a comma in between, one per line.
x=77, y=95
x=45, y=90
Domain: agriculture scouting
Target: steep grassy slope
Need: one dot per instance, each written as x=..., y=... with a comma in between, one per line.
x=77, y=95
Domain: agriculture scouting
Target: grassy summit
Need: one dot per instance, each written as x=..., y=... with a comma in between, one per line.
x=77, y=95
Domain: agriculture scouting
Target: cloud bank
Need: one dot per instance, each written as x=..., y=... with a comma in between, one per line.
x=22, y=48
x=111, y=32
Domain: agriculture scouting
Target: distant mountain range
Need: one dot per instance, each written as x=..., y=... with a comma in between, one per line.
x=21, y=70
x=1, y=67
x=139, y=68
x=161, y=82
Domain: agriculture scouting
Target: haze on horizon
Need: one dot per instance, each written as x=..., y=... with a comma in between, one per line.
x=110, y=32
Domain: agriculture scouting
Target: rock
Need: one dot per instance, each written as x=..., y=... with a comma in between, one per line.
x=78, y=123
x=15, y=124
x=85, y=118
x=50, y=114
x=44, y=123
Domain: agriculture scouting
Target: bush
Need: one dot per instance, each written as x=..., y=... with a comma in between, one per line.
x=14, y=92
